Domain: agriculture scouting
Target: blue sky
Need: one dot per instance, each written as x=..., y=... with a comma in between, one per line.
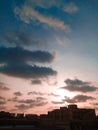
x=43, y=44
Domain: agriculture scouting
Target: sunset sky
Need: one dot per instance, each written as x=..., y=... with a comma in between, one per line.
x=48, y=54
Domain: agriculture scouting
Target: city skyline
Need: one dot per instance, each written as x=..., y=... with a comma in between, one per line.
x=48, y=55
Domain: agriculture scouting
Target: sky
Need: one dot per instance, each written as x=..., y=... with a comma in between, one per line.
x=48, y=55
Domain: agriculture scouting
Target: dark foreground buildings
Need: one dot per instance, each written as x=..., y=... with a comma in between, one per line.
x=65, y=118
x=71, y=118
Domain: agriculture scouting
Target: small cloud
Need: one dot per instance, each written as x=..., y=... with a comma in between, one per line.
x=36, y=82
x=62, y=41
x=27, y=101
x=17, y=93
x=52, y=94
x=41, y=94
x=14, y=99
x=58, y=102
x=3, y=86
x=35, y=93
x=78, y=86
x=40, y=98
x=2, y=98
x=71, y=8
x=2, y=102
x=22, y=106
x=78, y=98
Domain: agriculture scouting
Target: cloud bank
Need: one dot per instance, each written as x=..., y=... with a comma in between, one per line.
x=15, y=62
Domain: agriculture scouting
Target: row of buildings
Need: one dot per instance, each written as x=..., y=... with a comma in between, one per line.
x=8, y=115
x=67, y=118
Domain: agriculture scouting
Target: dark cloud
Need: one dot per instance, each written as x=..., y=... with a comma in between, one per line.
x=40, y=99
x=52, y=94
x=2, y=102
x=79, y=86
x=27, y=71
x=29, y=103
x=2, y=98
x=78, y=98
x=35, y=93
x=17, y=93
x=13, y=99
x=75, y=82
x=22, y=38
x=18, y=54
x=58, y=102
x=15, y=63
x=22, y=106
x=36, y=82
x=3, y=86
x=40, y=94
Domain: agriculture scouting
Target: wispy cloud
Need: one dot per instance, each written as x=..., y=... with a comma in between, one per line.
x=35, y=93
x=22, y=38
x=71, y=8
x=62, y=41
x=57, y=102
x=2, y=108
x=78, y=98
x=29, y=103
x=2, y=100
x=3, y=86
x=52, y=94
x=44, y=94
x=28, y=14
x=13, y=99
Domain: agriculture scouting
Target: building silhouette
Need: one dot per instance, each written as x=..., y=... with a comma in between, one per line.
x=71, y=118
x=64, y=118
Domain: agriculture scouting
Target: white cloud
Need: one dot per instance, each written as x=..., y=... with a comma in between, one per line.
x=62, y=41
x=27, y=14
x=71, y=8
